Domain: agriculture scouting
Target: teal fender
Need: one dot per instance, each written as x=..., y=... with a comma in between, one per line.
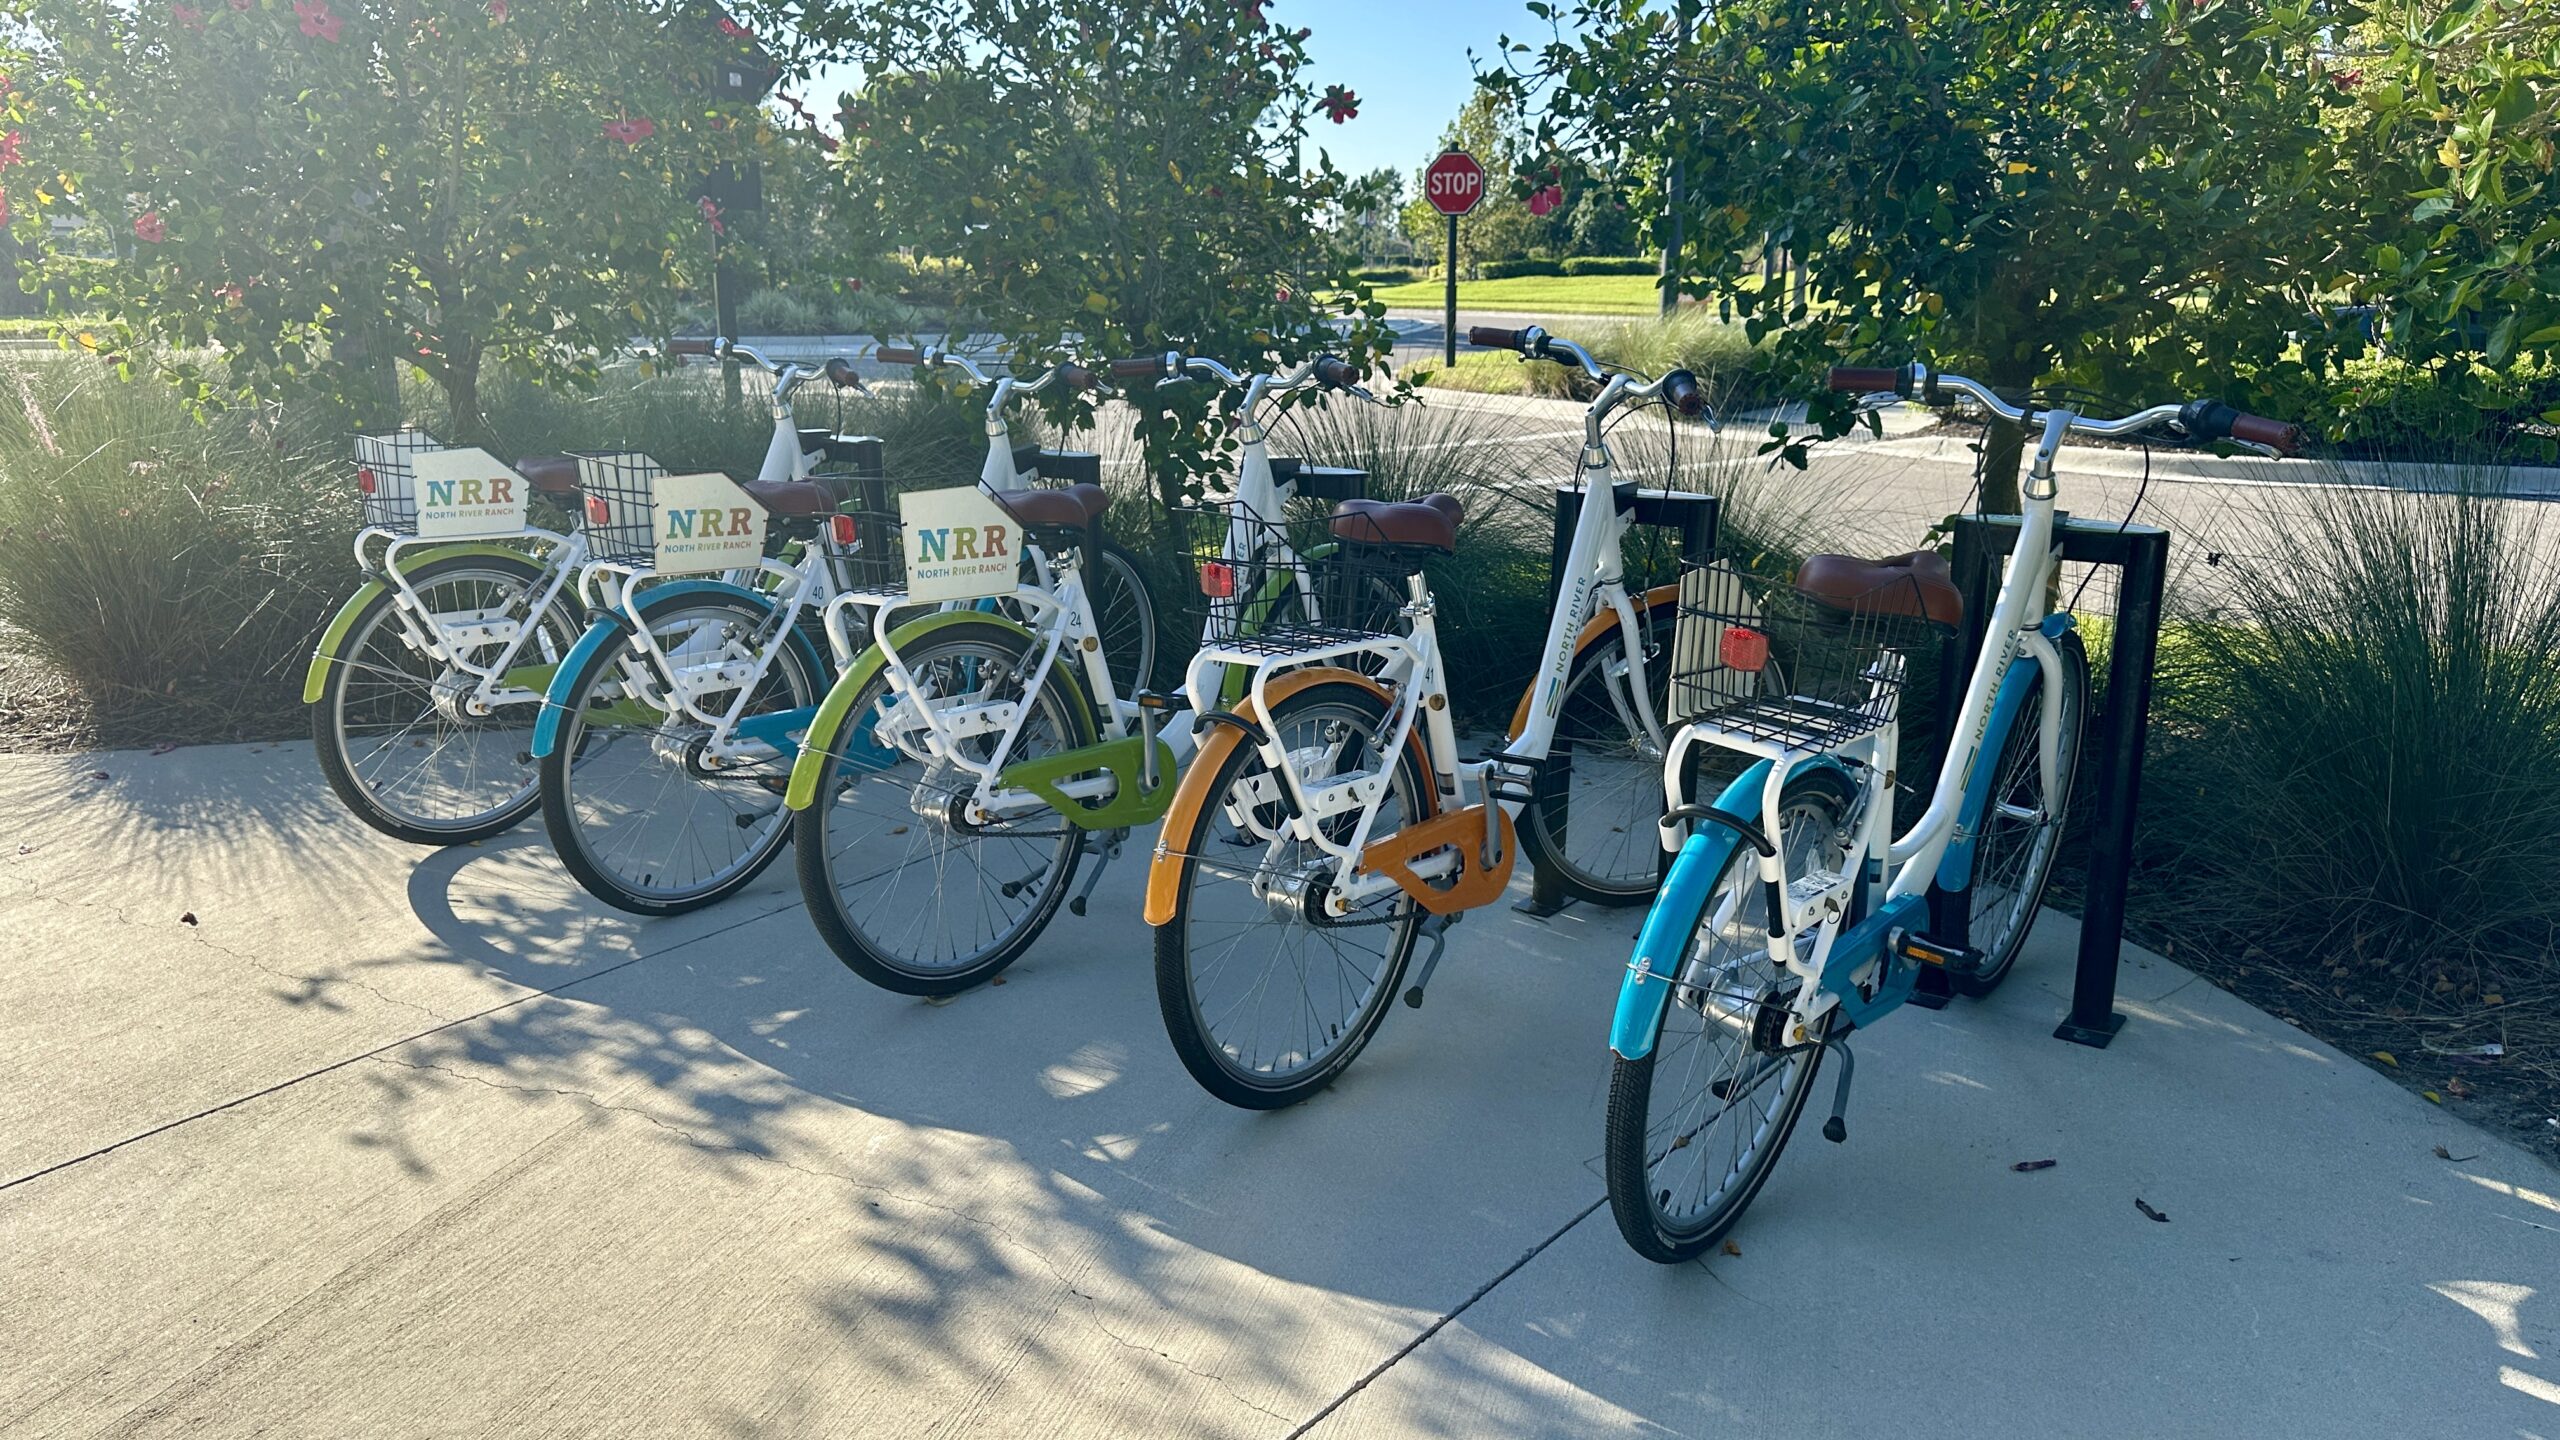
x=835, y=712
x=611, y=627
x=1955, y=868
x=334, y=637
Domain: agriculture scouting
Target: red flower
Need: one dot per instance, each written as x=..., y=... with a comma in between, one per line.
x=854, y=285
x=2347, y=79
x=316, y=20
x=734, y=30
x=188, y=16
x=1339, y=104
x=1544, y=202
x=1281, y=295
x=630, y=131
x=230, y=294
x=151, y=228
x=711, y=213
x=9, y=144
x=1253, y=10
x=498, y=11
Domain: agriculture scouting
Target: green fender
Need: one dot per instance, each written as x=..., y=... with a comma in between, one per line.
x=326, y=652
x=825, y=731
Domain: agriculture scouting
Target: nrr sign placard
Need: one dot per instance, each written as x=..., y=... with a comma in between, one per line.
x=705, y=522
x=466, y=494
x=960, y=545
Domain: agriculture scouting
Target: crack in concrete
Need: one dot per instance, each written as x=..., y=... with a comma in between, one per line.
x=699, y=1141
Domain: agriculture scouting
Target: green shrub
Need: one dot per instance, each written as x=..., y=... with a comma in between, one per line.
x=1386, y=275
x=778, y=312
x=1612, y=265
x=2357, y=750
x=1720, y=355
x=1514, y=269
x=2395, y=408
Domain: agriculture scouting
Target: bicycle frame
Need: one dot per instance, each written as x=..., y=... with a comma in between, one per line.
x=1594, y=577
x=444, y=637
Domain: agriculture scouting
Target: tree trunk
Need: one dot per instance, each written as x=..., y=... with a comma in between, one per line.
x=461, y=382
x=2004, y=446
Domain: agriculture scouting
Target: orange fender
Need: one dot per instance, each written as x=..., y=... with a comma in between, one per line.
x=1191, y=798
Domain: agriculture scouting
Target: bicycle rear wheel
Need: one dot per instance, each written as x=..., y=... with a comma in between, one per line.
x=1695, y=1126
x=1592, y=818
x=912, y=891
x=1125, y=614
x=641, y=813
x=2022, y=827
x=1264, y=1006
x=393, y=727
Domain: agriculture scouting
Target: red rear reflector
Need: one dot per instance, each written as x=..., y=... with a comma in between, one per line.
x=364, y=478
x=598, y=513
x=1217, y=579
x=841, y=527
x=1745, y=649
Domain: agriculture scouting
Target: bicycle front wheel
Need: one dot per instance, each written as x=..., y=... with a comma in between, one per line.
x=2021, y=828
x=642, y=812
x=1695, y=1125
x=1592, y=821
x=398, y=730
x=914, y=888
x=1266, y=997
x=1125, y=614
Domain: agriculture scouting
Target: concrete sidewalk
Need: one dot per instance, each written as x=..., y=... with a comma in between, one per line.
x=397, y=1142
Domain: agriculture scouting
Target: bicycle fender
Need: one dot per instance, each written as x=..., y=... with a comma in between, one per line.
x=836, y=708
x=611, y=626
x=1663, y=940
x=1955, y=867
x=1191, y=797
x=1597, y=626
x=334, y=637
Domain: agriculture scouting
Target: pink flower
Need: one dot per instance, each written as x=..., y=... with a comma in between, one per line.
x=711, y=213
x=1281, y=295
x=630, y=131
x=498, y=11
x=1544, y=202
x=151, y=228
x=188, y=16
x=316, y=20
x=1339, y=104
x=9, y=144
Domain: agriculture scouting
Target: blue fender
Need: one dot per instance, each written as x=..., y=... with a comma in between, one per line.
x=1955, y=867
x=610, y=627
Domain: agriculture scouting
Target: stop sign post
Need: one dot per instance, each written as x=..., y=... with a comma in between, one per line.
x=1454, y=184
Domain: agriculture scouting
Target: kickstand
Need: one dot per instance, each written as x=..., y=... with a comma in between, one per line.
x=1093, y=877
x=1436, y=930
x=1836, y=1129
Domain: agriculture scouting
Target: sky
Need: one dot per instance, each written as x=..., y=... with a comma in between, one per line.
x=1406, y=60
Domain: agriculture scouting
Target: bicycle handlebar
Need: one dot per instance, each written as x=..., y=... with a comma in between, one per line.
x=2200, y=419
x=898, y=355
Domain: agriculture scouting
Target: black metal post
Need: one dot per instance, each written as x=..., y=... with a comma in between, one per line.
x=1449, y=323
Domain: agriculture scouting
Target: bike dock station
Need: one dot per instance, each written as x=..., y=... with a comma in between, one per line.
x=1692, y=516
x=2113, y=739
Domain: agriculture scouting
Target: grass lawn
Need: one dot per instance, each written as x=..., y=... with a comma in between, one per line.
x=1541, y=294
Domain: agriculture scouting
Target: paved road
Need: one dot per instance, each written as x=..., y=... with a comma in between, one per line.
x=303, y=1132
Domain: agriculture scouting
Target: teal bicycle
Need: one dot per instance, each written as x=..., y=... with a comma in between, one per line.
x=1795, y=913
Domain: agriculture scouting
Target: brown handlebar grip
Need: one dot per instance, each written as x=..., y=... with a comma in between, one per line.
x=1681, y=389
x=1076, y=377
x=1493, y=337
x=693, y=346
x=841, y=373
x=1335, y=372
x=1860, y=379
x=898, y=355
x=2274, y=434
x=1138, y=369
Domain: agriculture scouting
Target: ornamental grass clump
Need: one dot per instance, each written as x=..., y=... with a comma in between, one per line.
x=2356, y=773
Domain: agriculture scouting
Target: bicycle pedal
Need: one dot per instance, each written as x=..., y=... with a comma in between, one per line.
x=1436, y=930
x=1957, y=960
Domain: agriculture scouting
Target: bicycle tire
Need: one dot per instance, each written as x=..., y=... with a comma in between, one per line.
x=580, y=800
x=1814, y=805
x=2012, y=908
x=345, y=768
x=1180, y=981
x=1125, y=612
x=817, y=832
x=1609, y=851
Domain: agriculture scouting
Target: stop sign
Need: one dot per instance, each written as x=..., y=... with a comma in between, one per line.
x=1454, y=183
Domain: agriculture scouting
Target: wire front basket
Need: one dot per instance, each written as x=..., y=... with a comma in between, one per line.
x=1269, y=587
x=1760, y=659
x=387, y=480
x=619, y=516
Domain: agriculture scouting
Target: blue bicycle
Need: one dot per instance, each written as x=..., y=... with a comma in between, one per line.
x=1794, y=913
